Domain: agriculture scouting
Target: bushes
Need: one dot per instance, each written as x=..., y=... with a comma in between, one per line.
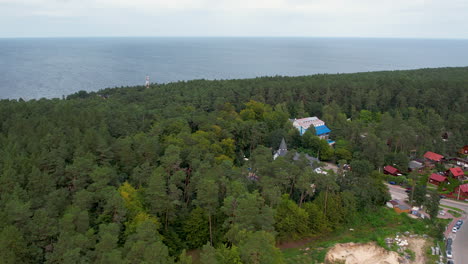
x=291, y=220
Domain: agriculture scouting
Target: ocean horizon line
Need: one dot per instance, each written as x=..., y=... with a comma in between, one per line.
x=239, y=37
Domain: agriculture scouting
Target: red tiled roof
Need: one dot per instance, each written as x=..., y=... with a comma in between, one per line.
x=437, y=177
x=457, y=171
x=433, y=156
x=390, y=169
x=464, y=188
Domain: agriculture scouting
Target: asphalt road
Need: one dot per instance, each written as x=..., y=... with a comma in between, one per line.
x=460, y=245
x=399, y=193
x=460, y=239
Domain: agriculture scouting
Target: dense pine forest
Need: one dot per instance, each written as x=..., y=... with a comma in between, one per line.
x=137, y=175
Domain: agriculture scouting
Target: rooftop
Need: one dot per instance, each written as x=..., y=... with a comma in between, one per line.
x=464, y=187
x=390, y=169
x=457, y=171
x=437, y=177
x=306, y=122
x=415, y=164
x=433, y=156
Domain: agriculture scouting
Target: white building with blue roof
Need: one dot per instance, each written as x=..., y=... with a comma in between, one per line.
x=321, y=130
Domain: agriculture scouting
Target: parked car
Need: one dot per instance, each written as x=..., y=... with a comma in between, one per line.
x=450, y=261
x=449, y=242
x=392, y=182
x=459, y=222
x=449, y=254
x=454, y=229
x=442, y=196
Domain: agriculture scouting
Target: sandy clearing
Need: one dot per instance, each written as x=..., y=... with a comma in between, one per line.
x=355, y=253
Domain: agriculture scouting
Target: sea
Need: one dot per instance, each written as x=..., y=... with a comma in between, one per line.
x=33, y=68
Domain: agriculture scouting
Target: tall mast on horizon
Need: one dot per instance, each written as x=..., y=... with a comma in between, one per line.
x=147, y=81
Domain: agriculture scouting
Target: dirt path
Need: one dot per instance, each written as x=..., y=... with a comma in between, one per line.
x=295, y=244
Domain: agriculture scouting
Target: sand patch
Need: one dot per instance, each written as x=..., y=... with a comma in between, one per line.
x=418, y=245
x=355, y=253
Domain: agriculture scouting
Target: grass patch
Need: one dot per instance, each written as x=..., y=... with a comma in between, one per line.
x=368, y=227
x=456, y=214
x=453, y=208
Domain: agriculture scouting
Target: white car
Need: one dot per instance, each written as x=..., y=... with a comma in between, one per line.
x=454, y=229
x=449, y=254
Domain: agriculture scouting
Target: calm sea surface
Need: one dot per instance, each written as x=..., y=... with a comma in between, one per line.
x=35, y=68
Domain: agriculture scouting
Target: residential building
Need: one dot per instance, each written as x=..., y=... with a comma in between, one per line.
x=390, y=170
x=432, y=158
x=456, y=173
x=437, y=179
x=399, y=206
x=415, y=165
x=283, y=150
x=461, y=192
x=321, y=130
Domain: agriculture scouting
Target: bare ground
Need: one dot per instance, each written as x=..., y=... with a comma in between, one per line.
x=370, y=253
x=418, y=246
x=355, y=253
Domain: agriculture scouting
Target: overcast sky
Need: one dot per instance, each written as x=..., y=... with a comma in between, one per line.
x=315, y=18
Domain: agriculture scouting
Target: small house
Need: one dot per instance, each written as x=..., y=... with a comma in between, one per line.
x=398, y=206
x=437, y=179
x=461, y=192
x=390, y=170
x=415, y=165
x=456, y=173
x=432, y=158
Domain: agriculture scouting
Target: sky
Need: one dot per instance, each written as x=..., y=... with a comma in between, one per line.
x=281, y=18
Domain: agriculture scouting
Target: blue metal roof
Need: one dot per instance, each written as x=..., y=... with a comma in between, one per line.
x=320, y=130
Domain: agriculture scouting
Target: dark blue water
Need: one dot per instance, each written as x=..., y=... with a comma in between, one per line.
x=35, y=68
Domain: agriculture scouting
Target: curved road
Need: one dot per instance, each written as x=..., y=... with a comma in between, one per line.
x=460, y=239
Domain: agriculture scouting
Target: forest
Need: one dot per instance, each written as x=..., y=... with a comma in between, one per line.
x=137, y=175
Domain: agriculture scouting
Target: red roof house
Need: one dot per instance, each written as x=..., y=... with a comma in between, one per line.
x=456, y=172
x=437, y=179
x=461, y=191
x=391, y=170
x=433, y=156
